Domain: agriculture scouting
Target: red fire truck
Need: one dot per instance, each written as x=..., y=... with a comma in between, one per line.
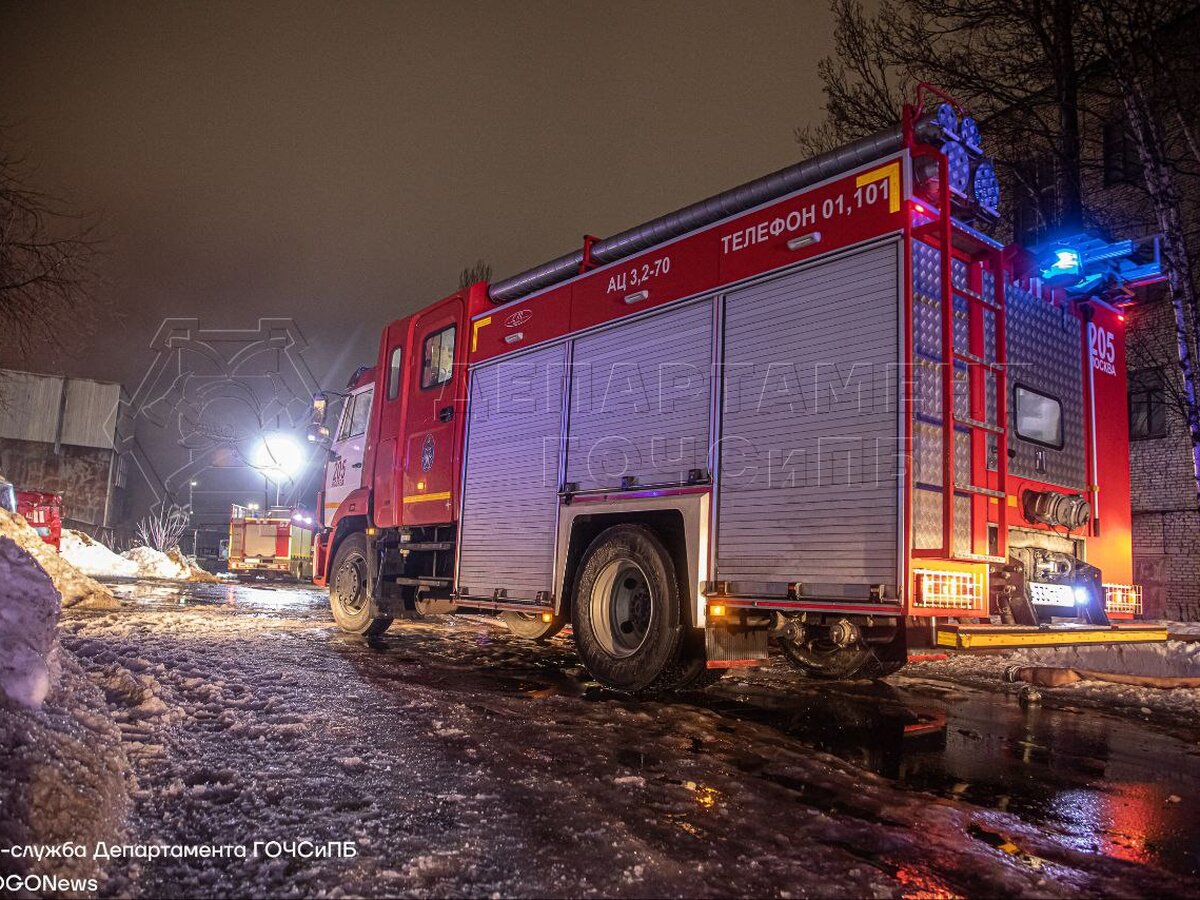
x=42, y=510
x=821, y=406
x=275, y=542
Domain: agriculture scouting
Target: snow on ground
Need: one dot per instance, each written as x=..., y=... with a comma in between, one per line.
x=1171, y=658
x=173, y=565
x=1184, y=628
x=91, y=557
x=462, y=761
x=75, y=588
x=62, y=769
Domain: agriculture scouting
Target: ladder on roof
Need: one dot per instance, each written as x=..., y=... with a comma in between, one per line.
x=984, y=488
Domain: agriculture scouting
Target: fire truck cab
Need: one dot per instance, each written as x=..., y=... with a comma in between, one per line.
x=42, y=510
x=818, y=407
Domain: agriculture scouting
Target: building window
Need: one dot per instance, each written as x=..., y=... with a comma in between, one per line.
x=1121, y=163
x=393, y=390
x=1039, y=418
x=437, y=360
x=1147, y=405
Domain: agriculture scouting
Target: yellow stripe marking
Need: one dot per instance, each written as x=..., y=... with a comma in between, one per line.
x=892, y=173
x=479, y=323
x=440, y=495
x=969, y=641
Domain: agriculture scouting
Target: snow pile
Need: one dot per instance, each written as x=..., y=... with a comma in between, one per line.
x=29, y=607
x=171, y=565
x=93, y=558
x=1167, y=659
x=1164, y=660
x=63, y=778
x=75, y=588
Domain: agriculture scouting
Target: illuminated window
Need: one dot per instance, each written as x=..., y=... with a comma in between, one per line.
x=393, y=389
x=1039, y=418
x=1147, y=405
x=437, y=359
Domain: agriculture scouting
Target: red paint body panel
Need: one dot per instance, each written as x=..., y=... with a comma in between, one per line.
x=840, y=212
x=682, y=269
x=383, y=457
x=1111, y=549
x=521, y=324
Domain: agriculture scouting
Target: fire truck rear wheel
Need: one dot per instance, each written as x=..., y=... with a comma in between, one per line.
x=348, y=598
x=827, y=661
x=531, y=627
x=629, y=624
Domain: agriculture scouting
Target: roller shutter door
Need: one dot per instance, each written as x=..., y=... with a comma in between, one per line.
x=809, y=488
x=641, y=400
x=510, y=485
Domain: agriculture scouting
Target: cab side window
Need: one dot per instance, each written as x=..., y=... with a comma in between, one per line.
x=355, y=415
x=361, y=413
x=437, y=358
x=393, y=385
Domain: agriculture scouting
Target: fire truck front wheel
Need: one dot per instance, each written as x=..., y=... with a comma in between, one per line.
x=629, y=624
x=352, y=608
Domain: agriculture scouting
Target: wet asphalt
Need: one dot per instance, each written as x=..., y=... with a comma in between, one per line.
x=1100, y=803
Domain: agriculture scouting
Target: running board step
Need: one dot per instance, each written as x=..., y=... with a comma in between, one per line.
x=968, y=638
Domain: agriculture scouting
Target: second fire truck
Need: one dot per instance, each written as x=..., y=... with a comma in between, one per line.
x=820, y=406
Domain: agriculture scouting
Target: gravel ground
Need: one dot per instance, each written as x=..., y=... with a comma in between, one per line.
x=461, y=761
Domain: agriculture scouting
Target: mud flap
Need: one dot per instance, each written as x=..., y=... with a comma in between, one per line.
x=731, y=645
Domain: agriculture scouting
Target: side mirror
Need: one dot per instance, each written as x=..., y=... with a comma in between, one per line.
x=318, y=432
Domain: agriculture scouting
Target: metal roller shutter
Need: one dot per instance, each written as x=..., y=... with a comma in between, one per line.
x=810, y=441
x=510, y=486
x=640, y=400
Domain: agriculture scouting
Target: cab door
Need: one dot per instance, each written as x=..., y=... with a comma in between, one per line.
x=389, y=453
x=343, y=472
x=436, y=376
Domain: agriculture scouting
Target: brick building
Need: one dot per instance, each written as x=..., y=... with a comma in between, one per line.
x=1166, y=521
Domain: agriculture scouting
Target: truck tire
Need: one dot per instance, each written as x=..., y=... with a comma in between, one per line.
x=531, y=627
x=629, y=624
x=828, y=662
x=352, y=608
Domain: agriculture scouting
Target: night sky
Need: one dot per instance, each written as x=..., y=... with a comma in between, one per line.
x=340, y=163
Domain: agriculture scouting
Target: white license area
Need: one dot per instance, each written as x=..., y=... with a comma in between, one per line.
x=1052, y=594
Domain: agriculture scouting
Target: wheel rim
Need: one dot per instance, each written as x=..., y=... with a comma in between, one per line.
x=622, y=608
x=350, y=584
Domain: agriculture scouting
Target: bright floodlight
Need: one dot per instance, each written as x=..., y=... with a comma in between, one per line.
x=279, y=457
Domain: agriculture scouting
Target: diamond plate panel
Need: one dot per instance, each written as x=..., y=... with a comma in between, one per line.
x=1044, y=354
